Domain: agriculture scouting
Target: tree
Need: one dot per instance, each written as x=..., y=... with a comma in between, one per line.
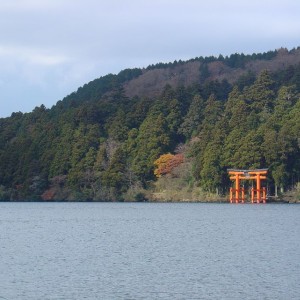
x=193, y=119
x=261, y=94
x=117, y=128
x=166, y=163
x=153, y=139
x=249, y=154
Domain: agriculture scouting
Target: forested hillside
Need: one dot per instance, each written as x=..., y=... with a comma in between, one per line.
x=169, y=131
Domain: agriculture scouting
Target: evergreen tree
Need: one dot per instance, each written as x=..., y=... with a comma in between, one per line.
x=261, y=94
x=193, y=119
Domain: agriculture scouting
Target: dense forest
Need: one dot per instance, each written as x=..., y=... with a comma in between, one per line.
x=105, y=143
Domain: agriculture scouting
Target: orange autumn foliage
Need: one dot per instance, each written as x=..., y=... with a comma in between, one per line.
x=166, y=163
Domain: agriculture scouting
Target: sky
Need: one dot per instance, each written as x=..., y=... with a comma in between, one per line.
x=49, y=48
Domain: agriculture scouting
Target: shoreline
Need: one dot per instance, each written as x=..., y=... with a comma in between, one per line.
x=218, y=201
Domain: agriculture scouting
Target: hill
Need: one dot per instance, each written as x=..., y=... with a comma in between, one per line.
x=166, y=132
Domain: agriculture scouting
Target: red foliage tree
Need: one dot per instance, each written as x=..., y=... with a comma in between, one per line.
x=166, y=163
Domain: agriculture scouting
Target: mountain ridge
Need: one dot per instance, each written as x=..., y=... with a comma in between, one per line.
x=150, y=81
x=166, y=132
x=146, y=83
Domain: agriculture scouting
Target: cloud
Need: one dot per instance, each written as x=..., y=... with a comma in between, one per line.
x=54, y=46
x=29, y=5
x=31, y=56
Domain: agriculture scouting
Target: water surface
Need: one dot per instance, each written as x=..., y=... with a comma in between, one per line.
x=149, y=251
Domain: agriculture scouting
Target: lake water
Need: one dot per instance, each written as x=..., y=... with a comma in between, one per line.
x=149, y=251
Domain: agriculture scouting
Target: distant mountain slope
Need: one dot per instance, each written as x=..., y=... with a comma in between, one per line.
x=167, y=132
x=151, y=82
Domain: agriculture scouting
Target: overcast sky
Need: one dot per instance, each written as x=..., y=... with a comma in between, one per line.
x=48, y=48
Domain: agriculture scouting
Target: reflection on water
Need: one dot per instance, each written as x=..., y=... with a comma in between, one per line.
x=149, y=251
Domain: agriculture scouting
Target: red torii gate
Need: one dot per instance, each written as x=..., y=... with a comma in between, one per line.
x=237, y=194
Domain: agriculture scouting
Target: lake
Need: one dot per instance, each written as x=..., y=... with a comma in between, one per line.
x=149, y=251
